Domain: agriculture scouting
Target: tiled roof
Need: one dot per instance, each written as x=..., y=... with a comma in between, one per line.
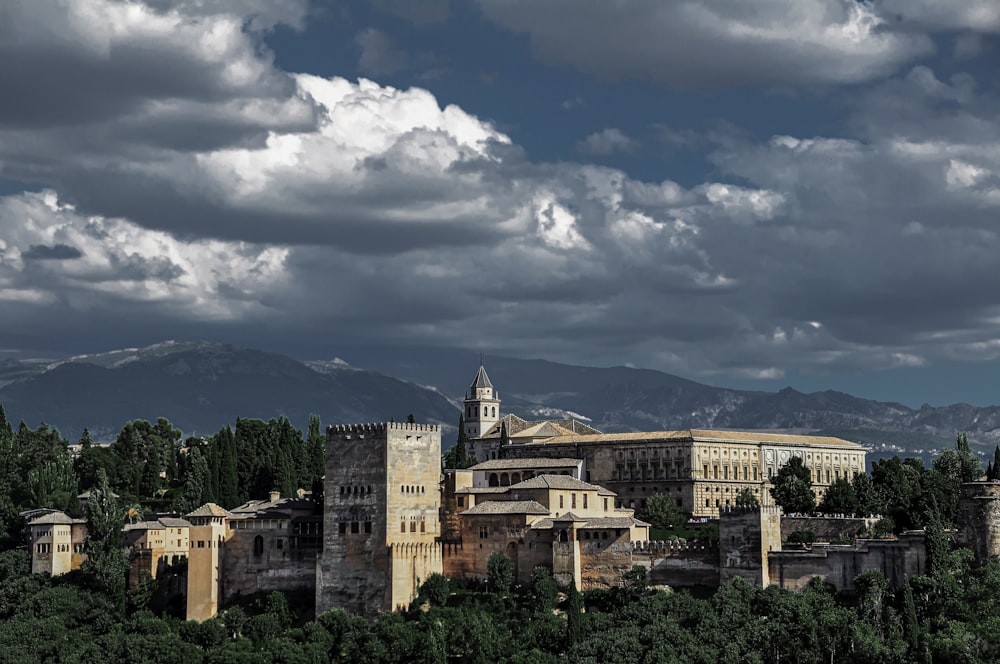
x=483, y=489
x=613, y=522
x=597, y=523
x=481, y=380
x=568, y=516
x=507, y=507
x=701, y=435
x=174, y=522
x=527, y=462
x=55, y=519
x=208, y=509
x=564, y=482
x=518, y=427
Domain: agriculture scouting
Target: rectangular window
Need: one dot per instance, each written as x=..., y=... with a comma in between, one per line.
x=368, y=527
x=423, y=527
x=402, y=526
x=484, y=532
x=715, y=472
x=201, y=544
x=342, y=527
x=355, y=527
x=572, y=501
x=725, y=472
x=605, y=504
x=584, y=501
x=279, y=543
x=413, y=526
x=704, y=472
x=560, y=502
x=461, y=501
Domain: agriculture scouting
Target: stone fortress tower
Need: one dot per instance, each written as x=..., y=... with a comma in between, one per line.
x=482, y=406
x=979, y=518
x=380, y=517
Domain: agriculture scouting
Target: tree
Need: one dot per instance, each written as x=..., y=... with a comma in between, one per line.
x=792, y=487
x=458, y=456
x=661, y=512
x=961, y=463
x=839, y=498
x=575, y=629
x=106, y=561
x=499, y=573
x=410, y=419
x=504, y=437
x=746, y=498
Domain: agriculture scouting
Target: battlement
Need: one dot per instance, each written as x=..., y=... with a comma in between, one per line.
x=380, y=427
x=740, y=511
x=981, y=490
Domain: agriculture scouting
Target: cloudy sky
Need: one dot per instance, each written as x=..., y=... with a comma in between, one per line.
x=784, y=192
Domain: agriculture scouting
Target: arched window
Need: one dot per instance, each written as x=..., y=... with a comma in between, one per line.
x=494, y=411
x=494, y=480
x=258, y=546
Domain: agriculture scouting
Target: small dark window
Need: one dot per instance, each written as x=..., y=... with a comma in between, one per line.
x=368, y=527
x=342, y=527
x=461, y=501
x=258, y=546
x=355, y=528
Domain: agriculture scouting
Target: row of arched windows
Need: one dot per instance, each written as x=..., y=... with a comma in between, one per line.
x=473, y=411
x=412, y=488
x=355, y=490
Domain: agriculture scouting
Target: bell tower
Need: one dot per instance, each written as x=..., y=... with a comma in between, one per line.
x=482, y=405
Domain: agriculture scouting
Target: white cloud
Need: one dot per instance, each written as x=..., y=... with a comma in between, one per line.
x=119, y=261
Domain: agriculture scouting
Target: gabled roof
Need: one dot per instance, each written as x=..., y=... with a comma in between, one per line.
x=517, y=427
x=564, y=482
x=507, y=507
x=208, y=509
x=481, y=380
x=530, y=463
x=55, y=519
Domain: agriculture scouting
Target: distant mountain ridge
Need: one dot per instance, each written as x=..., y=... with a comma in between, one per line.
x=200, y=387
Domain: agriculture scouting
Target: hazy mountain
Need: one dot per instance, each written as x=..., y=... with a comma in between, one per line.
x=627, y=399
x=201, y=387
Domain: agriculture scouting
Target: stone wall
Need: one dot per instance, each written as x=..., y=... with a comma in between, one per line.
x=839, y=564
x=674, y=564
x=249, y=567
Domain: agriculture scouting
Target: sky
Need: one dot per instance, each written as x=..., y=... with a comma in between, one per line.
x=753, y=195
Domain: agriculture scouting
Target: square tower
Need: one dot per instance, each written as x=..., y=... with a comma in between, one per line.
x=380, y=516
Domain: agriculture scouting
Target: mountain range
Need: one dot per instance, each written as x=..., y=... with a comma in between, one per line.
x=200, y=387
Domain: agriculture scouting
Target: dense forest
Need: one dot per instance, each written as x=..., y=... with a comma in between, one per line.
x=948, y=614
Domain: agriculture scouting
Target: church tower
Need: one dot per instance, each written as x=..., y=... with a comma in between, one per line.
x=482, y=406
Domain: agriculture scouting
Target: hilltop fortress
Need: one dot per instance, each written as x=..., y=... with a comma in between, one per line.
x=556, y=494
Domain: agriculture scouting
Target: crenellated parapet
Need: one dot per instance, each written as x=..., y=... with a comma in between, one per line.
x=380, y=428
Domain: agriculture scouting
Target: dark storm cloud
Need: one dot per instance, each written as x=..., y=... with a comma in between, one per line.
x=248, y=203
x=712, y=45
x=61, y=252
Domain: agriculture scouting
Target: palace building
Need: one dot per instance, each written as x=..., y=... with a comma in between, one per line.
x=702, y=470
